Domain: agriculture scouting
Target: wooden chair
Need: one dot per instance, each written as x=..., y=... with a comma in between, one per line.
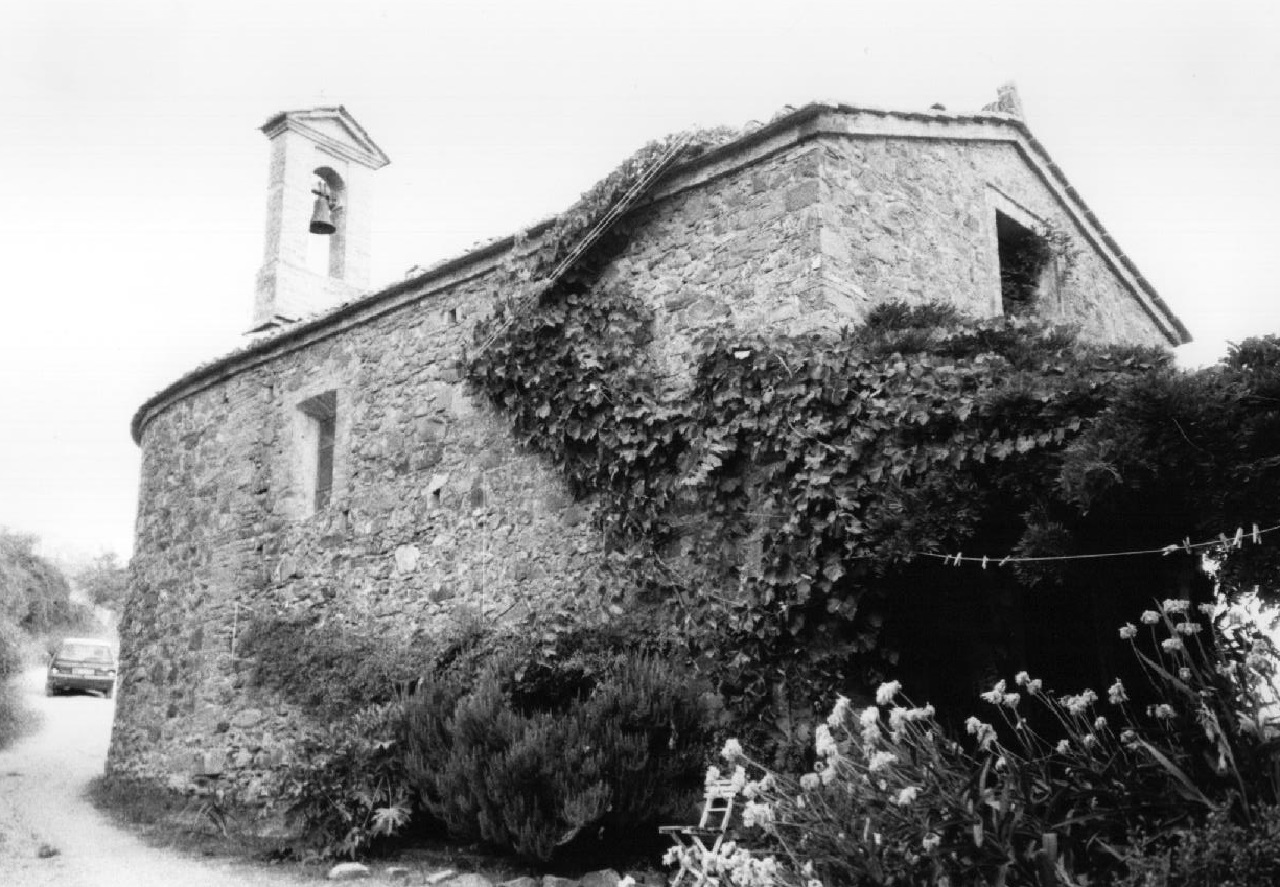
x=705, y=838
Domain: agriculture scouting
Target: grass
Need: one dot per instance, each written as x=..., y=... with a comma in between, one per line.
x=186, y=823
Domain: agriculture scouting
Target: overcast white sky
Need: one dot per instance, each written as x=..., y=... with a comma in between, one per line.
x=132, y=212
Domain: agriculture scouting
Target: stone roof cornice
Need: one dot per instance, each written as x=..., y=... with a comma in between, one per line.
x=811, y=121
x=361, y=149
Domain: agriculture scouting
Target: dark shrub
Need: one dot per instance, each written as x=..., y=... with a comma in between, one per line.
x=493, y=766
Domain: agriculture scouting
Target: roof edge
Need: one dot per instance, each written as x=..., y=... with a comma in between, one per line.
x=395, y=294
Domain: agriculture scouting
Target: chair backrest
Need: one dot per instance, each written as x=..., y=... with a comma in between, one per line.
x=717, y=806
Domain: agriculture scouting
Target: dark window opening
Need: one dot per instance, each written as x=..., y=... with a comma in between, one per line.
x=1024, y=258
x=324, y=464
x=323, y=412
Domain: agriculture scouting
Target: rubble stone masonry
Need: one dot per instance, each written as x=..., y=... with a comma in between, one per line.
x=436, y=515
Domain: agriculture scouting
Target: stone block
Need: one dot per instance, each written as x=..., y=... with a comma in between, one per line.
x=804, y=194
x=468, y=879
x=246, y=718
x=348, y=871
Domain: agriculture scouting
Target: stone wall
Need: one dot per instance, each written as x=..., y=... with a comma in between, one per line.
x=436, y=515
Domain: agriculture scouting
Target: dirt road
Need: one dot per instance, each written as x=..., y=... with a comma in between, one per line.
x=42, y=804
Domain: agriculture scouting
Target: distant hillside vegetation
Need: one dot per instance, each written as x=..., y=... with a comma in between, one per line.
x=34, y=595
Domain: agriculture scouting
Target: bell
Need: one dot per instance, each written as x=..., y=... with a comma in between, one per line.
x=320, y=219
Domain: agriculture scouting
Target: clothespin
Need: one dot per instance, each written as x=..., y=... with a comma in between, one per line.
x=1235, y=543
x=1225, y=542
x=1168, y=550
x=957, y=563
x=984, y=562
x=1186, y=543
x=1256, y=534
x=1006, y=559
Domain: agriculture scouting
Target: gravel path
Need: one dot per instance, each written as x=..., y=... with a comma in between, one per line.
x=42, y=804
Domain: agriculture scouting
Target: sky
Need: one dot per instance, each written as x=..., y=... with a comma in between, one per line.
x=133, y=207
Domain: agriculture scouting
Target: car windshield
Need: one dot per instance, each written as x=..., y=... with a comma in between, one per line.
x=85, y=652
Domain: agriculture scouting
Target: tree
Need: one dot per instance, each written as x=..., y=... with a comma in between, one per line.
x=105, y=581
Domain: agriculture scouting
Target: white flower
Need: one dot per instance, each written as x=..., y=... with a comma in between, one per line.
x=1089, y=740
x=897, y=717
x=1207, y=609
x=1175, y=605
x=1033, y=687
x=1078, y=704
x=869, y=718
x=1100, y=723
x=1171, y=644
x=823, y=743
x=809, y=781
x=1150, y=617
x=1021, y=678
x=985, y=733
x=931, y=842
x=1128, y=631
x=1184, y=673
x=1011, y=700
x=756, y=813
x=886, y=692
x=1187, y=628
x=1116, y=694
x=838, y=712
x=995, y=694
x=713, y=775
x=732, y=750
x=1128, y=737
x=1063, y=746
x=1164, y=711
x=739, y=779
x=907, y=796
x=880, y=760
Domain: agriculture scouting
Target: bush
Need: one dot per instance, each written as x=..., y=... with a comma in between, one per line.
x=333, y=669
x=349, y=790
x=894, y=800
x=1218, y=853
x=533, y=772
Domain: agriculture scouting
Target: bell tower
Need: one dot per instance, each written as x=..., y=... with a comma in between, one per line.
x=316, y=253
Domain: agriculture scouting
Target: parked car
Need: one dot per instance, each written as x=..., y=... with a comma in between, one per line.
x=82, y=664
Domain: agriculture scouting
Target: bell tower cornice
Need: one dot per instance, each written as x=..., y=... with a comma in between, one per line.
x=333, y=129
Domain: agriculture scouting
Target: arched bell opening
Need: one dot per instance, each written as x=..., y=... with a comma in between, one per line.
x=327, y=243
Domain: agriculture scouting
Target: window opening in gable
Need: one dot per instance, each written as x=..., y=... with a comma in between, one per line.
x=1025, y=259
x=322, y=413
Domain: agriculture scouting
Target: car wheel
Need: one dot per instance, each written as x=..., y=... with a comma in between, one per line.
x=110, y=690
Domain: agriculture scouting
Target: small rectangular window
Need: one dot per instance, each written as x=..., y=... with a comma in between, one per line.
x=322, y=414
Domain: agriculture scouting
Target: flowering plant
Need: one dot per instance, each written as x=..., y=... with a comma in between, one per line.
x=893, y=799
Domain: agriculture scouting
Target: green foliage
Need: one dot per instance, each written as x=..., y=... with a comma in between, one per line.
x=535, y=759
x=349, y=789
x=105, y=581
x=838, y=462
x=36, y=596
x=332, y=668
x=1105, y=791
x=1216, y=853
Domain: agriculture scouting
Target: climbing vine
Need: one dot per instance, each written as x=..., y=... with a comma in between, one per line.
x=782, y=494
